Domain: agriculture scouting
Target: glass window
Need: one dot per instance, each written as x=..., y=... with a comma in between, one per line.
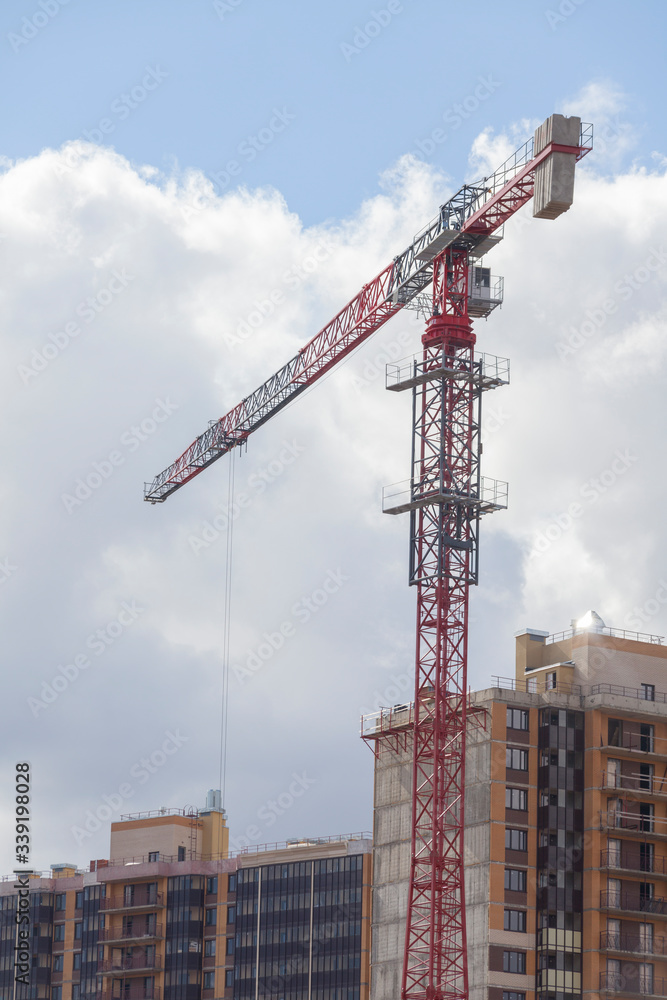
x=212, y=885
x=209, y=980
x=511, y=995
x=76, y=960
x=516, y=760
x=514, y=961
x=209, y=948
x=153, y=855
x=229, y=978
x=516, y=798
x=647, y=692
x=231, y=914
x=515, y=879
x=61, y=899
x=515, y=920
x=56, y=993
x=516, y=840
x=58, y=963
x=232, y=883
x=230, y=945
x=78, y=900
x=58, y=933
x=78, y=930
x=76, y=991
x=517, y=718
x=181, y=854
x=211, y=916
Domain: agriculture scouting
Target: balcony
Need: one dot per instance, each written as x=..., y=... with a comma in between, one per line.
x=633, y=862
x=634, y=824
x=143, y=898
x=614, y=941
x=124, y=935
x=131, y=991
x=639, y=986
x=132, y=964
x=651, y=785
x=633, y=902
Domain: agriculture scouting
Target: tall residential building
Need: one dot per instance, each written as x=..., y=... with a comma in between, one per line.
x=565, y=823
x=171, y=917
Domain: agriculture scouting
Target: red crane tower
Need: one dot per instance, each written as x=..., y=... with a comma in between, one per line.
x=445, y=495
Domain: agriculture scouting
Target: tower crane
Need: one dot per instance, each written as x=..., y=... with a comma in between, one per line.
x=445, y=496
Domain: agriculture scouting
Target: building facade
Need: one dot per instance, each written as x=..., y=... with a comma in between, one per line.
x=566, y=824
x=171, y=917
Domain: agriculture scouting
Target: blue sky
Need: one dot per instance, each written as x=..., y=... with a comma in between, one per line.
x=308, y=108
x=354, y=112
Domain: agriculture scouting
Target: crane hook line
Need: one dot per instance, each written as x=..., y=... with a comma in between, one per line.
x=226, y=630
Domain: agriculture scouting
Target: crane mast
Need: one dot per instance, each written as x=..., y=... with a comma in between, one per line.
x=445, y=496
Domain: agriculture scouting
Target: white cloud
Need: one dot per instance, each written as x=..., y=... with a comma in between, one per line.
x=196, y=266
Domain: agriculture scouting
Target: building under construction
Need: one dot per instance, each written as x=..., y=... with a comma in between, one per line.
x=566, y=823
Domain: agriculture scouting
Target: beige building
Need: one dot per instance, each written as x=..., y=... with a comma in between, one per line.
x=566, y=824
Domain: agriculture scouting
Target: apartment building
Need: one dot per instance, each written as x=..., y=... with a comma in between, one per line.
x=169, y=916
x=566, y=823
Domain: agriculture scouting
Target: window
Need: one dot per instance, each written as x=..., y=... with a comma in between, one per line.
x=78, y=900
x=230, y=946
x=231, y=887
x=209, y=948
x=76, y=960
x=646, y=857
x=181, y=854
x=514, y=961
x=229, y=978
x=614, y=853
x=61, y=899
x=516, y=760
x=211, y=917
x=613, y=892
x=646, y=816
x=511, y=995
x=515, y=920
x=231, y=914
x=516, y=798
x=515, y=879
x=516, y=840
x=517, y=718
x=209, y=980
x=56, y=993
x=78, y=930
x=551, y=681
x=614, y=933
x=153, y=855
x=645, y=937
x=647, y=692
x=58, y=963
x=76, y=991
x=645, y=978
x=58, y=933
x=646, y=738
x=212, y=886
